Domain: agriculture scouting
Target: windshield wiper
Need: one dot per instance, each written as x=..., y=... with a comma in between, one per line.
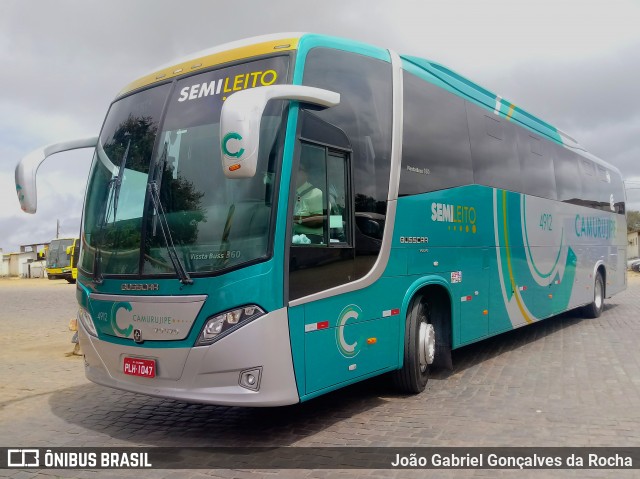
x=118, y=180
x=156, y=176
x=152, y=188
x=112, y=198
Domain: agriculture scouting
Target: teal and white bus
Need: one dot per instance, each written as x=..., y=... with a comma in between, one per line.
x=276, y=218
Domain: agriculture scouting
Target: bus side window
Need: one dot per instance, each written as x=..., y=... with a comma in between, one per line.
x=568, y=179
x=435, y=151
x=536, y=165
x=494, y=150
x=320, y=209
x=339, y=228
x=309, y=207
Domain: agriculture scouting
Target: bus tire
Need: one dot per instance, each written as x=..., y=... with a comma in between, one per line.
x=419, y=349
x=71, y=281
x=594, y=310
x=440, y=317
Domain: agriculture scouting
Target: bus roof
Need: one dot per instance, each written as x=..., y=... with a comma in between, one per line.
x=278, y=42
x=227, y=52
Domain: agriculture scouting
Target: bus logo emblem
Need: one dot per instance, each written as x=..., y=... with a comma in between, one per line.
x=137, y=335
x=347, y=350
x=225, y=148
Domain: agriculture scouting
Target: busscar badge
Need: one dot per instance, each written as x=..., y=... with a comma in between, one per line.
x=137, y=335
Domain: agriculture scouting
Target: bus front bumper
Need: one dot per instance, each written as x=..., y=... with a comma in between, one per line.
x=60, y=273
x=215, y=374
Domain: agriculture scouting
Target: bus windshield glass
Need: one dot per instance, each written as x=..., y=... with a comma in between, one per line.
x=168, y=137
x=57, y=256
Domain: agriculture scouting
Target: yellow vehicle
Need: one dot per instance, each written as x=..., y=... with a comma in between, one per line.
x=62, y=259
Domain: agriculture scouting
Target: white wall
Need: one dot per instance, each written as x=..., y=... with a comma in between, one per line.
x=4, y=265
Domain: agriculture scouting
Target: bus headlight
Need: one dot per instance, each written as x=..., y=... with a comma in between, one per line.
x=85, y=318
x=220, y=324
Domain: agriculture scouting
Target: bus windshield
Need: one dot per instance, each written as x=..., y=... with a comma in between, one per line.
x=57, y=256
x=168, y=137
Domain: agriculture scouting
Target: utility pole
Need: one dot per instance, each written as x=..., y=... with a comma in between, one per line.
x=57, y=229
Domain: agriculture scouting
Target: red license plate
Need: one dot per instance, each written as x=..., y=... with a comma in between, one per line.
x=145, y=368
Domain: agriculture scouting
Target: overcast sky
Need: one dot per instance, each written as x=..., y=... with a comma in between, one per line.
x=576, y=64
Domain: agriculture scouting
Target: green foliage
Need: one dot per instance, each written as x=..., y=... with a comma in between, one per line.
x=141, y=131
x=368, y=203
x=633, y=221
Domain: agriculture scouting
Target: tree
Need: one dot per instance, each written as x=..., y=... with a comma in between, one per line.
x=633, y=221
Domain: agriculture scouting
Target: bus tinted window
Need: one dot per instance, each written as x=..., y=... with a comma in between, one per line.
x=536, y=165
x=364, y=114
x=568, y=182
x=611, y=192
x=494, y=150
x=435, y=150
x=591, y=196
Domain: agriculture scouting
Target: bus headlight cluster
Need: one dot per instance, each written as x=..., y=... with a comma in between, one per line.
x=216, y=326
x=85, y=318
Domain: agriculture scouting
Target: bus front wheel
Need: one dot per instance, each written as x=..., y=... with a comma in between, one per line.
x=419, y=349
x=594, y=310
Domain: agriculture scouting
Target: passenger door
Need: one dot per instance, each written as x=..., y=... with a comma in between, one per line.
x=321, y=255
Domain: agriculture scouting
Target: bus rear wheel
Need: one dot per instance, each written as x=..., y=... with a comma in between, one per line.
x=594, y=310
x=419, y=349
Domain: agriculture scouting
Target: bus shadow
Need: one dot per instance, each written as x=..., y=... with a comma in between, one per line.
x=142, y=420
x=490, y=348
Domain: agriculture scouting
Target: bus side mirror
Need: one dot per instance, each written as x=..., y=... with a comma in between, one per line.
x=28, y=167
x=68, y=251
x=240, y=122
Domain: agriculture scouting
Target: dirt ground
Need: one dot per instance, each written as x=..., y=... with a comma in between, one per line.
x=35, y=336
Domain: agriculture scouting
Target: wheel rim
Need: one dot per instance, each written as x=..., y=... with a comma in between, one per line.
x=427, y=345
x=598, y=295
